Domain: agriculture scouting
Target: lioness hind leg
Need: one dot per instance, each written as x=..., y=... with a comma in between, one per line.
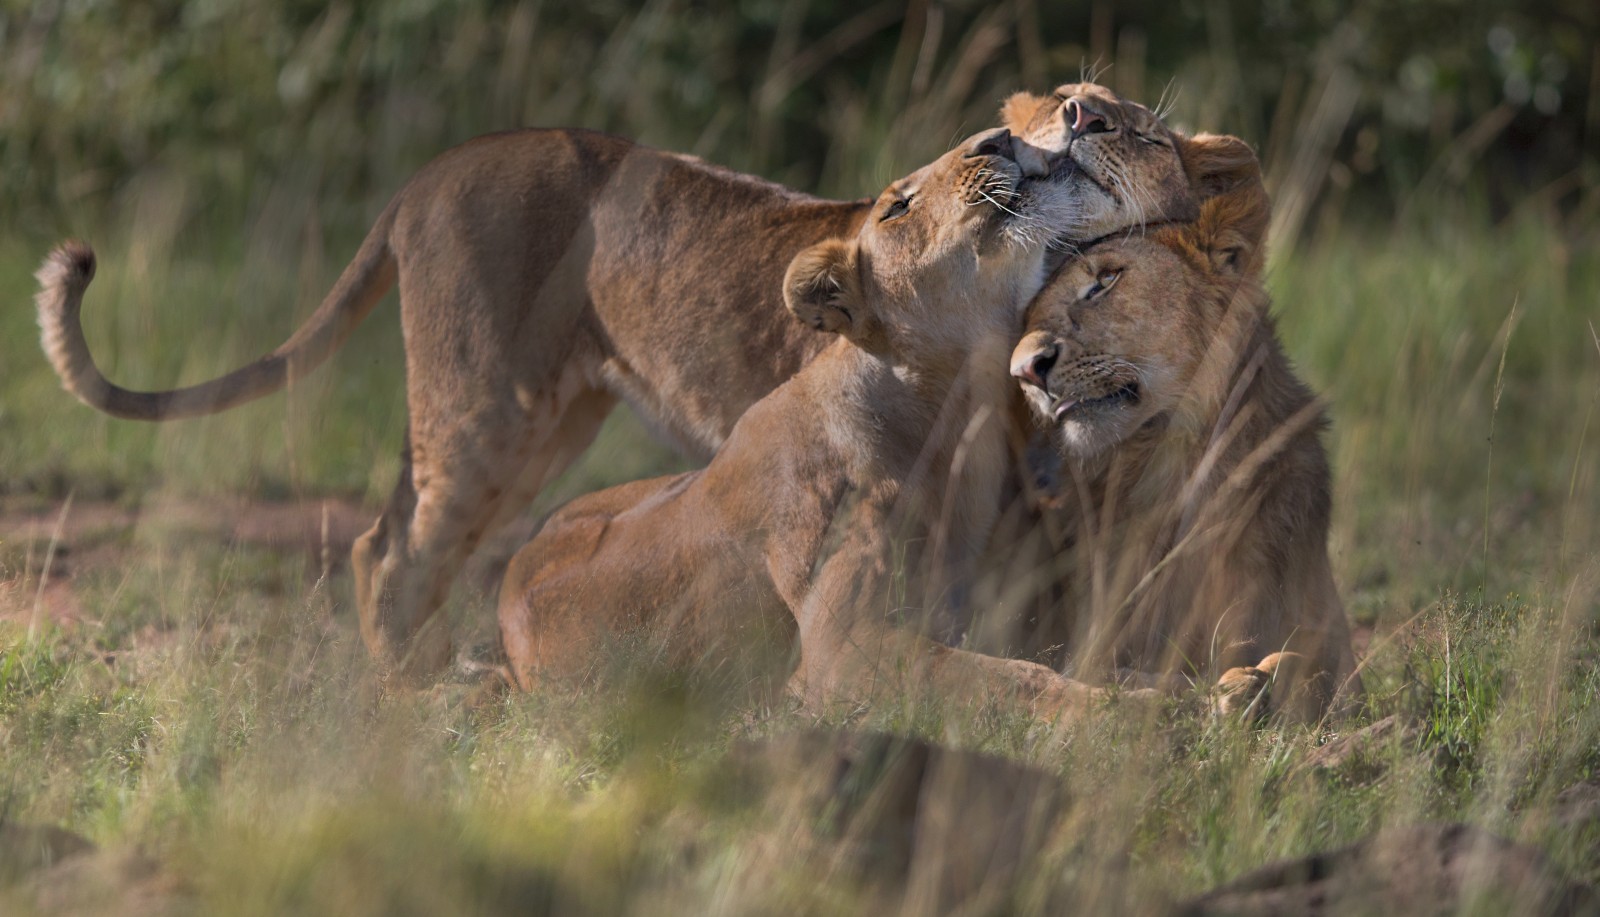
x=579, y=425
x=448, y=498
x=404, y=564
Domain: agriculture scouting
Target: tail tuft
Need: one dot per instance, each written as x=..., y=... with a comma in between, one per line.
x=62, y=278
x=71, y=265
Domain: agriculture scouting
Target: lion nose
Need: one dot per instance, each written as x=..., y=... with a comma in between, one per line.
x=1033, y=366
x=1081, y=119
x=993, y=143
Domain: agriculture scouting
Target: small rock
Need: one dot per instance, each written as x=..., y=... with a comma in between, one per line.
x=1575, y=808
x=101, y=882
x=1362, y=743
x=27, y=848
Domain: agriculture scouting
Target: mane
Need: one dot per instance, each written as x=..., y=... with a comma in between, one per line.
x=1233, y=221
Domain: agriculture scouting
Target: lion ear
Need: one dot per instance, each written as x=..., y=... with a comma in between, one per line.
x=1218, y=164
x=1231, y=255
x=823, y=289
x=1019, y=110
x=1232, y=229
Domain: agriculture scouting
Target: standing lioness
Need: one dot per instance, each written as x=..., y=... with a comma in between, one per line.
x=544, y=274
x=888, y=438
x=1196, y=489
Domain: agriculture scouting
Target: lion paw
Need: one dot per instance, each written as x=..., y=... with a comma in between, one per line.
x=1246, y=690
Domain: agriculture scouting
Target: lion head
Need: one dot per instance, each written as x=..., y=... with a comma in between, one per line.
x=1134, y=328
x=948, y=252
x=1120, y=162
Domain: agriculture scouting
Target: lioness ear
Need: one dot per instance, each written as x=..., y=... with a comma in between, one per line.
x=823, y=289
x=1018, y=111
x=1218, y=164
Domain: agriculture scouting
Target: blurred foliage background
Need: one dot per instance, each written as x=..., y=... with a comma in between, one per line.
x=235, y=109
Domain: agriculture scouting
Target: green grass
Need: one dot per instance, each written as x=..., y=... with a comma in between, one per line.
x=220, y=715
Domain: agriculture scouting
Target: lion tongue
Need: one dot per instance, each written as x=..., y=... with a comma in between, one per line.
x=1064, y=407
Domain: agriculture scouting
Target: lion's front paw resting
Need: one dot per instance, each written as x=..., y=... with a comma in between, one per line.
x=1251, y=691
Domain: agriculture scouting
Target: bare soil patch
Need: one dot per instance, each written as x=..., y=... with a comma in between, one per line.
x=47, y=544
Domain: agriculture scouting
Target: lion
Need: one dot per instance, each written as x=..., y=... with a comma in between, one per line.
x=543, y=276
x=1196, y=486
x=887, y=442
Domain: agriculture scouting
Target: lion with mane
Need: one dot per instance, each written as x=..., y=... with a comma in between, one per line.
x=1193, y=486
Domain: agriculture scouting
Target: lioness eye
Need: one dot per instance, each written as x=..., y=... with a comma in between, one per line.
x=896, y=209
x=1103, y=282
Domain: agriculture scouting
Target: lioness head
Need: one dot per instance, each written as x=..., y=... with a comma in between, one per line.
x=1120, y=162
x=1119, y=335
x=948, y=252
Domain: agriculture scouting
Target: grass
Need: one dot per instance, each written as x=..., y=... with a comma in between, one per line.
x=217, y=713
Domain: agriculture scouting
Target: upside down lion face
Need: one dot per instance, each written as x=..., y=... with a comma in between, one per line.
x=1122, y=165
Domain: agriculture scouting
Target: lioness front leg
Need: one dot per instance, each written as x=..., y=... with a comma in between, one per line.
x=848, y=655
x=875, y=659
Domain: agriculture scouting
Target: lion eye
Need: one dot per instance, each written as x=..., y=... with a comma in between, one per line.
x=896, y=209
x=1103, y=282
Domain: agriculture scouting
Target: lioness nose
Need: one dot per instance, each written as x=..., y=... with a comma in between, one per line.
x=1032, y=365
x=993, y=143
x=1035, y=162
x=1081, y=119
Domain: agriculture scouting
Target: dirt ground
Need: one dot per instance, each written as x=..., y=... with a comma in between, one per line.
x=43, y=547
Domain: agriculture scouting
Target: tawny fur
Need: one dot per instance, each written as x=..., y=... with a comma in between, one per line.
x=1131, y=170
x=879, y=462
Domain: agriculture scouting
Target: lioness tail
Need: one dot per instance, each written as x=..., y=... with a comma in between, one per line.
x=67, y=271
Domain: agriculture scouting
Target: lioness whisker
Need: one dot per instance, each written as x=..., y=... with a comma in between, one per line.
x=991, y=200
